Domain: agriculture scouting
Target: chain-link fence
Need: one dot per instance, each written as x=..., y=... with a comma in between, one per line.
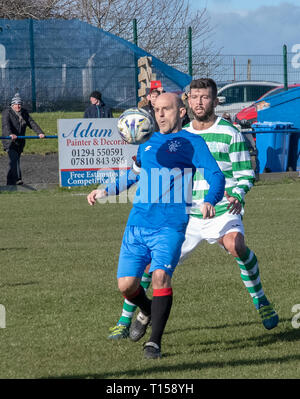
x=56, y=64
x=229, y=68
x=226, y=68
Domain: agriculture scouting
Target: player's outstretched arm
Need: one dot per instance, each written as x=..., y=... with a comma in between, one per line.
x=122, y=184
x=96, y=194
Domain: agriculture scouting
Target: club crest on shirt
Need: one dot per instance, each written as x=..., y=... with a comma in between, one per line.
x=212, y=147
x=174, y=145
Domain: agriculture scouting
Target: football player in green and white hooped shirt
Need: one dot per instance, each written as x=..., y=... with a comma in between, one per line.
x=228, y=147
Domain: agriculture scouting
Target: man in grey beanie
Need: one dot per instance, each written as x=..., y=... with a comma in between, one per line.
x=15, y=120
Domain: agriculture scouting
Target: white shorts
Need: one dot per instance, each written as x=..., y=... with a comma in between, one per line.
x=210, y=230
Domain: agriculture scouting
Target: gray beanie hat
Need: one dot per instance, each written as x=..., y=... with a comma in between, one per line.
x=16, y=99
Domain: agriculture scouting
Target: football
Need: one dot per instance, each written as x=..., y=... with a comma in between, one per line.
x=135, y=126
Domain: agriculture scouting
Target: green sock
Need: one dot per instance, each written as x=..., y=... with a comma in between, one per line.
x=128, y=307
x=250, y=275
x=146, y=281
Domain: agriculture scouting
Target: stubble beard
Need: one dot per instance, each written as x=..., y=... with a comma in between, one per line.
x=207, y=117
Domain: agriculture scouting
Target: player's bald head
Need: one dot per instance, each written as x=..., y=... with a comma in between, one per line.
x=171, y=98
x=169, y=111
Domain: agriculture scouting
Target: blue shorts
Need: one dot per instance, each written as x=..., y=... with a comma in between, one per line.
x=141, y=246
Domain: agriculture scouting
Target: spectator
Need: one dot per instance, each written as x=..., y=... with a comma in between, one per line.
x=189, y=115
x=15, y=120
x=152, y=95
x=97, y=108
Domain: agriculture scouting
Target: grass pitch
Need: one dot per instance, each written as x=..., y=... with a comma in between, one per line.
x=58, y=285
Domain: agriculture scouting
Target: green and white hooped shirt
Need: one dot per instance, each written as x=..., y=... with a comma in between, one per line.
x=229, y=149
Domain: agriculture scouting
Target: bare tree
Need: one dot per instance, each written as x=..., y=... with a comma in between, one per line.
x=35, y=9
x=162, y=28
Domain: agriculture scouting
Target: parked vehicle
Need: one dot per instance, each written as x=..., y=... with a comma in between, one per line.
x=235, y=96
x=248, y=115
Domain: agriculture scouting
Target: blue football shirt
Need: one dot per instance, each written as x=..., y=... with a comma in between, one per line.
x=168, y=164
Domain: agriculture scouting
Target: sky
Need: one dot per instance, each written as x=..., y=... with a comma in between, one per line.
x=252, y=27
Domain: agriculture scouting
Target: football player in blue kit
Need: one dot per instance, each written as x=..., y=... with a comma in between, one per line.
x=156, y=226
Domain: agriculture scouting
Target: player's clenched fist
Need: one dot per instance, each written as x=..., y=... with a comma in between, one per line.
x=94, y=195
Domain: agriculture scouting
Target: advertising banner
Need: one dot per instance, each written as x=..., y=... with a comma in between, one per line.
x=91, y=151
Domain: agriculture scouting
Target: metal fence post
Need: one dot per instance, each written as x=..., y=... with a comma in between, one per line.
x=32, y=64
x=135, y=41
x=190, y=52
x=285, y=73
x=234, y=69
x=249, y=70
x=135, y=37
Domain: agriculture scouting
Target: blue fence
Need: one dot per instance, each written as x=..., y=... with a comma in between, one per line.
x=56, y=64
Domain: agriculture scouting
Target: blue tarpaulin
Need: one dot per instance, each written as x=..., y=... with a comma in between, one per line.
x=56, y=64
